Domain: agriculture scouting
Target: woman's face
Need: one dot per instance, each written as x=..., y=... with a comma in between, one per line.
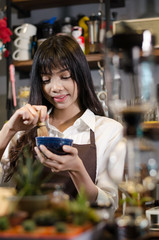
x=60, y=89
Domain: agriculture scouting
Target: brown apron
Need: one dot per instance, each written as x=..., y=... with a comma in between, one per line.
x=87, y=153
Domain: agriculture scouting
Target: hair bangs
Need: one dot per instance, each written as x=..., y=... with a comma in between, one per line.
x=49, y=61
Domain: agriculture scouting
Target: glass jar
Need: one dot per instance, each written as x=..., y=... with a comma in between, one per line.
x=59, y=199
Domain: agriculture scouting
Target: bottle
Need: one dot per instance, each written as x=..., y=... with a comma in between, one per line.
x=33, y=45
x=77, y=34
x=67, y=26
x=83, y=24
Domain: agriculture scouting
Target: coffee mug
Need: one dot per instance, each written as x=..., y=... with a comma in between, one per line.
x=22, y=43
x=26, y=30
x=21, y=55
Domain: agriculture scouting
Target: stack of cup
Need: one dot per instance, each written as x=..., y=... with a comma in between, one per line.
x=24, y=34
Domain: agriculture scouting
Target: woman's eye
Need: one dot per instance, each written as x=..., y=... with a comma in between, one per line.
x=66, y=77
x=45, y=81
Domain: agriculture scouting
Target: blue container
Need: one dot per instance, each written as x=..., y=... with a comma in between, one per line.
x=54, y=144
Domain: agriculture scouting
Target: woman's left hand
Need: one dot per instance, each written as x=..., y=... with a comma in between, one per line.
x=57, y=163
x=71, y=163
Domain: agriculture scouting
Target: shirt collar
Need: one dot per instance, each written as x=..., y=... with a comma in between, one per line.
x=88, y=118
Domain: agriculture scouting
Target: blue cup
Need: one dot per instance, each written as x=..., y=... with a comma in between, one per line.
x=54, y=144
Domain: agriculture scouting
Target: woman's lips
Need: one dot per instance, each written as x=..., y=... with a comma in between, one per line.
x=60, y=98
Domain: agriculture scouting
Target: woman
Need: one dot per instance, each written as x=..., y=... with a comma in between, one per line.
x=61, y=81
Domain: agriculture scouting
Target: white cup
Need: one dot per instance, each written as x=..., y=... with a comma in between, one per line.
x=26, y=30
x=22, y=43
x=21, y=55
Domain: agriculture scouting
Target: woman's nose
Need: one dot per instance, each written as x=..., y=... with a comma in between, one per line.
x=56, y=85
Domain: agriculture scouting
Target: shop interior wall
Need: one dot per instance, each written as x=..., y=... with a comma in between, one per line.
x=133, y=9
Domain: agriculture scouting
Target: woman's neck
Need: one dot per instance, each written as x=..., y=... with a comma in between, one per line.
x=62, y=119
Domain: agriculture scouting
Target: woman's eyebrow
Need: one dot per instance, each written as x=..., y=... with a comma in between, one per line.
x=60, y=71
x=45, y=74
x=63, y=70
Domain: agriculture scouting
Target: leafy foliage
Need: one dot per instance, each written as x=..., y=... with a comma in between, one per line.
x=29, y=174
x=81, y=211
x=135, y=199
x=4, y=223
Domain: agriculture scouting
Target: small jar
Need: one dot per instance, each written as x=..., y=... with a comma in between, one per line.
x=59, y=199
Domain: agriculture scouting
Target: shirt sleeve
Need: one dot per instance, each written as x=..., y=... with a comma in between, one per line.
x=107, y=189
x=108, y=196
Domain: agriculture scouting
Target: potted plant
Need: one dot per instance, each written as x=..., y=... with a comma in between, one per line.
x=30, y=196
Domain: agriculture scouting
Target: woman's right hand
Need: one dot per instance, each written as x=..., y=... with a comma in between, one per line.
x=27, y=117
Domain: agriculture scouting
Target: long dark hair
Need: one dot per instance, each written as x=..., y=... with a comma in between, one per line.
x=59, y=51
x=64, y=52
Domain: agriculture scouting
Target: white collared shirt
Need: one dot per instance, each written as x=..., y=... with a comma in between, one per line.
x=107, y=133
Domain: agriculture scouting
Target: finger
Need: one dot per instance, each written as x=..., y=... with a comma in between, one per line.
x=31, y=109
x=23, y=115
x=49, y=154
x=42, y=111
x=26, y=122
x=45, y=160
x=27, y=114
x=40, y=155
x=52, y=164
x=54, y=170
x=70, y=149
x=33, y=113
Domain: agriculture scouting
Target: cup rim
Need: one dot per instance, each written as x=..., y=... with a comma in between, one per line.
x=55, y=138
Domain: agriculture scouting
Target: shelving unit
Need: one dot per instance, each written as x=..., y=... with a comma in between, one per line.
x=36, y=4
x=28, y=5
x=91, y=58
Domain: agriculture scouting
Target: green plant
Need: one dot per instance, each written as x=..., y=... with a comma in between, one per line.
x=135, y=200
x=4, y=223
x=61, y=227
x=29, y=174
x=29, y=225
x=81, y=211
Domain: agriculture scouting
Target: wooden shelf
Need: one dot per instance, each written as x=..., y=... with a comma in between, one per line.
x=92, y=59
x=156, y=52
x=28, y=5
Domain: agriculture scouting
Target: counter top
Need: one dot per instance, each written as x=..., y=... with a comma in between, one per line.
x=48, y=233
